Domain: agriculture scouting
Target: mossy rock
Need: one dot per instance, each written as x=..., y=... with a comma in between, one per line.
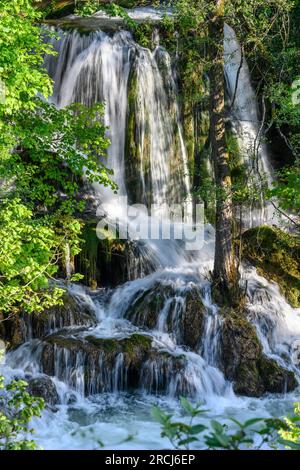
x=69, y=313
x=185, y=321
x=192, y=324
x=45, y=388
x=107, y=363
x=134, y=347
x=244, y=363
x=103, y=263
x=276, y=255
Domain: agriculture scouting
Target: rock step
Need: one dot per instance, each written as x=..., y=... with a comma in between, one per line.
x=180, y=313
x=93, y=365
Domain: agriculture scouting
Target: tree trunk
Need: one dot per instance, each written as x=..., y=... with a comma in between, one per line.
x=225, y=270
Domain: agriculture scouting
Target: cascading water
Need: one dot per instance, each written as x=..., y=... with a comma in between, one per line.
x=159, y=334
x=247, y=124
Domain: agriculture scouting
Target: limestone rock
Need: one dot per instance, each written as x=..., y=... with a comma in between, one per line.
x=244, y=362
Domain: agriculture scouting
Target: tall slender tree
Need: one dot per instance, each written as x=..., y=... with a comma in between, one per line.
x=225, y=269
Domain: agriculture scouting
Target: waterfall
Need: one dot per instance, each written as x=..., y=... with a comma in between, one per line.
x=101, y=68
x=247, y=123
x=159, y=334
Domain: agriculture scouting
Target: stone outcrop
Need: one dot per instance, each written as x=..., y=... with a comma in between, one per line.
x=276, y=255
x=94, y=365
x=183, y=313
x=43, y=387
x=21, y=328
x=244, y=363
x=110, y=262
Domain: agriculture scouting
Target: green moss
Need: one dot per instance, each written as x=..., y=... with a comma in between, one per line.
x=276, y=256
x=244, y=362
x=132, y=345
x=88, y=257
x=108, y=345
x=134, y=159
x=136, y=341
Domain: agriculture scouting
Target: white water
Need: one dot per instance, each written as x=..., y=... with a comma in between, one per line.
x=247, y=125
x=93, y=68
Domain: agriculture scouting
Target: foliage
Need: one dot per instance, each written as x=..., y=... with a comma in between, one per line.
x=87, y=7
x=54, y=148
x=112, y=9
x=28, y=257
x=253, y=433
x=286, y=189
x=43, y=155
x=22, y=53
x=17, y=408
x=290, y=436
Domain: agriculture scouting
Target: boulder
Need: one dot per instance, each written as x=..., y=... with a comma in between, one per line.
x=276, y=255
x=94, y=365
x=244, y=363
x=72, y=312
x=183, y=312
x=43, y=387
x=110, y=262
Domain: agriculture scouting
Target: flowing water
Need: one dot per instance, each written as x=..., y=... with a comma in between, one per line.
x=248, y=126
x=150, y=352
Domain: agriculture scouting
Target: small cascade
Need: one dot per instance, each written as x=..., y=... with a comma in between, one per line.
x=277, y=323
x=211, y=337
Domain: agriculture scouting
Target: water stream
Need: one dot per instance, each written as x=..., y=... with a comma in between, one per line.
x=107, y=396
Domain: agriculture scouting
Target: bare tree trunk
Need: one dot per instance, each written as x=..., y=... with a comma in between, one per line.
x=225, y=269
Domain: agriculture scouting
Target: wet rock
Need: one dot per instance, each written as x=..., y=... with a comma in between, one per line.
x=13, y=332
x=93, y=365
x=137, y=147
x=182, y=313
x=244, y=363
x=192, y=323
x=43, y=387
x=72, y=312
x=110, y=262
x=276, y=256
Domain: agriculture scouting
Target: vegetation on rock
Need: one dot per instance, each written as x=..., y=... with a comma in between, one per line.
x=276, y=255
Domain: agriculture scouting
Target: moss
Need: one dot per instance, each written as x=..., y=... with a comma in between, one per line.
x=276, y=256
x=244, y=362
x=134, y=159
x=87, y=260
x=136, y=343
x=108, y=345
x=101, y=262
x=132, y=346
